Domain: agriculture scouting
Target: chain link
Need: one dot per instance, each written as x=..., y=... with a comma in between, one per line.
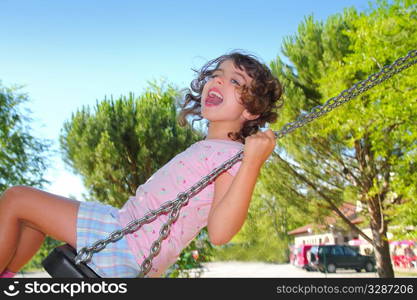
x=174, y=206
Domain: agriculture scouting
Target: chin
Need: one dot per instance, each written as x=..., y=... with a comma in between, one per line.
x=204, y=113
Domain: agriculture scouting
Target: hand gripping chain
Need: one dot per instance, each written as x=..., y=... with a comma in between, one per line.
x=173, y=207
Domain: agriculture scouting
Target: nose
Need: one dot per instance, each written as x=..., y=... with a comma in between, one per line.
x=218, y=79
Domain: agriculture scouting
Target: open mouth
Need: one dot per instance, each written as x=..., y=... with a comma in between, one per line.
x=214, y=97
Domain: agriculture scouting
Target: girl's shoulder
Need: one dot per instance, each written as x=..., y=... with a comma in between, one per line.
x=217, y=149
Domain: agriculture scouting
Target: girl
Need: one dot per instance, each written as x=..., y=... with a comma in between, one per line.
x=236, y=94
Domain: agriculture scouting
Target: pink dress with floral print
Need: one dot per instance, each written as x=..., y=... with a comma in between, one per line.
x=177, y=176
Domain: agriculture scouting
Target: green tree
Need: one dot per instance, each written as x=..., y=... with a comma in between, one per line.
x=117, y=146
x=393, y=129
x=23, y=157
x=364, y=150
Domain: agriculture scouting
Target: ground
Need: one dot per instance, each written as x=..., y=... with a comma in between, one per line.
x=257, y=270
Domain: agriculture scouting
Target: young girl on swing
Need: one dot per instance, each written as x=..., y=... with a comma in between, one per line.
x=236, y=94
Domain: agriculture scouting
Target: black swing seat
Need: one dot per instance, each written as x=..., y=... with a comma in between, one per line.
x=60, y=263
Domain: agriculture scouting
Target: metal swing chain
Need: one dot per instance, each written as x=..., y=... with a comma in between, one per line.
x=173, y=207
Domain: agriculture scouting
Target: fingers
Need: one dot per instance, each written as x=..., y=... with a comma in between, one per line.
x=267, y=136
x=267, y=133
x=270, y=133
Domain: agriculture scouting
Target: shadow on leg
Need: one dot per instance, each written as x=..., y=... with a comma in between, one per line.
x=30, y=240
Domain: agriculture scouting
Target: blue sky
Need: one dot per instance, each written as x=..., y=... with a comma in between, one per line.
x=68, y=54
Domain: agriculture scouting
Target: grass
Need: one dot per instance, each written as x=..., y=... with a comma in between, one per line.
x=259, y=252
x=405, y=273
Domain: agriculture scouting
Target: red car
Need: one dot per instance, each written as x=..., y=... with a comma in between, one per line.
x=301, y=256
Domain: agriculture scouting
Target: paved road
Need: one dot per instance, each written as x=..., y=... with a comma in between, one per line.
x=265, y=270
x=251, y=270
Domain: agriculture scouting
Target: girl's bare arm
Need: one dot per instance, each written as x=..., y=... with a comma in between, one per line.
x=231, y=203
x=233, y=194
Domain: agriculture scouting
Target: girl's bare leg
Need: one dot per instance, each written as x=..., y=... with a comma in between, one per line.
x=44, y=212
x=30, y=240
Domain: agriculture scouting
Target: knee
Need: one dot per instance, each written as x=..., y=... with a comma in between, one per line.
x=10, y=195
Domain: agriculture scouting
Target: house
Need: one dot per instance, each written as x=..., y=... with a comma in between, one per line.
x=329, y=232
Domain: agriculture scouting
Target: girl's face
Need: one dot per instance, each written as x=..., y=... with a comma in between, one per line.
x=220, y=99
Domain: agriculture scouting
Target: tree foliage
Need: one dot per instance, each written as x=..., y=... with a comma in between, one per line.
x=381, y=124
x=389, y=32
x=363, y=151
x=23, y=157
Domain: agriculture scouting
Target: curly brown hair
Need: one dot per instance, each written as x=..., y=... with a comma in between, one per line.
x=262, y=97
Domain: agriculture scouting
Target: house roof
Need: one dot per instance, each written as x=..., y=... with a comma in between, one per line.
x=347, y=209
x=305, y=229
x=300, y=230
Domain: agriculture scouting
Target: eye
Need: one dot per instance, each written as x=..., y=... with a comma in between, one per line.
x=210, y=77
x=237, y=82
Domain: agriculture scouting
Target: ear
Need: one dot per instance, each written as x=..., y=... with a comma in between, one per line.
x=248, y=116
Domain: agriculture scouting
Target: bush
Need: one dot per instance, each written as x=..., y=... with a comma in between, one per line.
x=186, y=263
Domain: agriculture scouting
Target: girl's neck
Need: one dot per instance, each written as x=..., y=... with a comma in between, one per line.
x=220, y=132
x=219, y=137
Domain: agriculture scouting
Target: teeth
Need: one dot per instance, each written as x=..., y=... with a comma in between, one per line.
x=216, y=94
